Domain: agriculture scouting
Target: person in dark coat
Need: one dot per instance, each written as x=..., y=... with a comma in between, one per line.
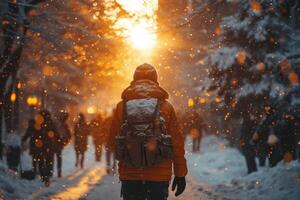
x=98, y=136
x=81, y=132
x=109, y=156
x=247, y=144
x=261, y=137
x=33, y=134
x=65, y=137
x=46, y=144
x=199, y=127
x=287, y=130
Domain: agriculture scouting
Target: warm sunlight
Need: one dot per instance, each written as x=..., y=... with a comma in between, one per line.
x=142, y=38
x=139, y=27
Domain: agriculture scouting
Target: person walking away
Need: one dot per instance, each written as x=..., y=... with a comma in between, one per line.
x=98, y=136
x=197, y=131
x=268, y=145
x=80, y=140
x=287, y=129
x=32, y=133
x=147, y=140
x=65, y=137
x=109, y=154
x=46, y=144
x=247, y=144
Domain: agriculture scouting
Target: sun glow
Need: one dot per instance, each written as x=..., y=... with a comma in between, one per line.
x=139, y=28
x=141, y=38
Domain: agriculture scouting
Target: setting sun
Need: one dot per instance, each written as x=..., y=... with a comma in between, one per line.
x=142, y=38
x=139, y=27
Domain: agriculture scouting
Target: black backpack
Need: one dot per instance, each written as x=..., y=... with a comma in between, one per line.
x=143, y=140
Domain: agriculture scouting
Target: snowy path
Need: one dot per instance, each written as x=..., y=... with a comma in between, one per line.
x=77, y=183
x=218, y=172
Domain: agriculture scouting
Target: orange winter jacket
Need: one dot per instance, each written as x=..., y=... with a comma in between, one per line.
x=163, y=171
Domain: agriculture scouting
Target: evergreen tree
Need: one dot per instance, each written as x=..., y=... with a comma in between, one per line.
x=256, y=68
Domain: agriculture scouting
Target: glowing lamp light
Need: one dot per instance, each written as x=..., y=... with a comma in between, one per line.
x=202, y=100
x=13, y=97
x=191, y=102
x=19, y=85
x=32, y=101
x=91, y=110
x=218, y=99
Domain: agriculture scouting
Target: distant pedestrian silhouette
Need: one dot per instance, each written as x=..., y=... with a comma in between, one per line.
x=81, y=132
x=46, y=144
x=33, y=134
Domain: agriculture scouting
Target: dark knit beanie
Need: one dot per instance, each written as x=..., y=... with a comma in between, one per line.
x=145, y=72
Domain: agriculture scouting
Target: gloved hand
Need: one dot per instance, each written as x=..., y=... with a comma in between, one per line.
x=180, y=183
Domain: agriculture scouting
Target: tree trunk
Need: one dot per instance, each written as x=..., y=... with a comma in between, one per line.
x=1, y=125
x=295, y=14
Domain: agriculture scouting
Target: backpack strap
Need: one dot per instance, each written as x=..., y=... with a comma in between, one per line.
x=124, y=120
x=157, y=118
x=124, y=112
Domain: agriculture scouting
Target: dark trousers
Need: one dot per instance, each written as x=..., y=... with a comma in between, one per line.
x=13, y=157
x=275, y=155
x=46, y=166
x=79, y=158
x=251, y=164
x=196, y=143
x=35, y=163
x=249, y=154
x=262, y=160
x=262, y=151
x=142, y=190
x=110, y=161
x=58, y=155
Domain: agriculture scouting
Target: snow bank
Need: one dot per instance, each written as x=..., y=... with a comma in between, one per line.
x=281, y=182
x=224, y=169
x=12, y=187
x=217, y=162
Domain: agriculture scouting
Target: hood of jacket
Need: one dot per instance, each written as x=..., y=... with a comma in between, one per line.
x=144, y=89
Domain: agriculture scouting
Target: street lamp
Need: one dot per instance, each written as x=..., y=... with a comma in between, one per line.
x=191, y=102
x=32, y=101
x=91, y=109
x=13, y=97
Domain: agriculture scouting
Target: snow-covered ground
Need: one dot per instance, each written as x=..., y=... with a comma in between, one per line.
x=75, y=184
x=221, y=170
x=217, y=172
